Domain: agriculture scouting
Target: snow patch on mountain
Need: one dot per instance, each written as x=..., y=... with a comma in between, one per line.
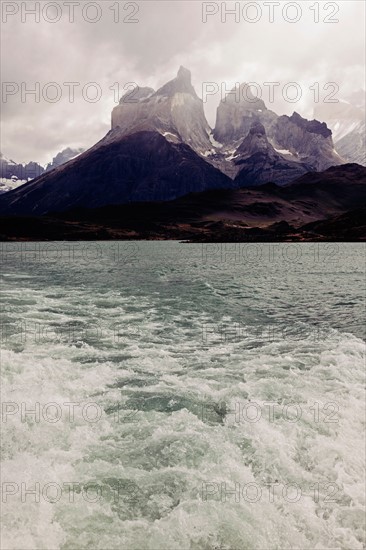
x=283, y=151
x=214, y=142
x=8, y=184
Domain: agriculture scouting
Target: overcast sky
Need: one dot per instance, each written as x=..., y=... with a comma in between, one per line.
x=167, y=34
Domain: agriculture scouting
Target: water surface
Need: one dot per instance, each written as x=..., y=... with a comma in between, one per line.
x=217, y=390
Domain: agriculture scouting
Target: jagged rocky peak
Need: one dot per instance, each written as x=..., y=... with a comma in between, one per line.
x=243, y=95
x=182, y=83
x=174, y=110
x=257, y=129
x=256, y=140
x=310, y=140
x=64, y=156
x=20, y=171
x=258, y=162
x=237, y=112
x=184, y=73
x=312, y=126
x=136, y=94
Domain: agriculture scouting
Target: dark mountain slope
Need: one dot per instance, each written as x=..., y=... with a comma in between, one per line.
x=141, y=167
x=315, y=206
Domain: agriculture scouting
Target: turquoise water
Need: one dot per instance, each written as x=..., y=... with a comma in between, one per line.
x=217, y=395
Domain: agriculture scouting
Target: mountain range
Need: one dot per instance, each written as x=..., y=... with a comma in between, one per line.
x=347, y=120
x=17, y=171
x=161, y=147
x=13, y=174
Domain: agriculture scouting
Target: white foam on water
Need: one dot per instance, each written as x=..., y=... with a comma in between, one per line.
x=172, y=428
